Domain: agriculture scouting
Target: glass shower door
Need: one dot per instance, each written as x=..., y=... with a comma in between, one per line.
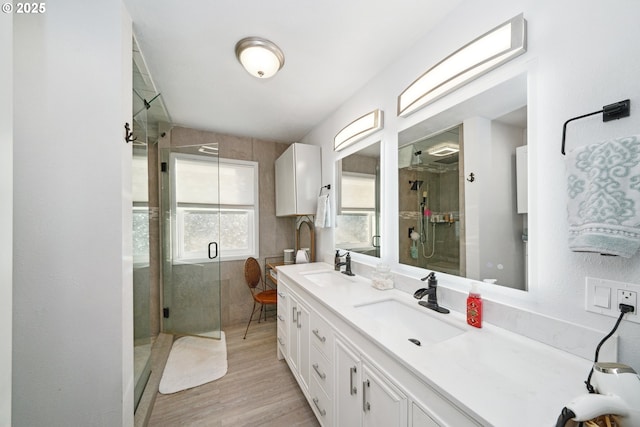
x=190, y=232
x=141, y=256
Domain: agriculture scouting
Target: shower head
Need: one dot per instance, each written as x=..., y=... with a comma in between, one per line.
x=415, y=185
x=416, y=160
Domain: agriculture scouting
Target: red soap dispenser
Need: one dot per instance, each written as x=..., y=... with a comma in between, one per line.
x=474, y=307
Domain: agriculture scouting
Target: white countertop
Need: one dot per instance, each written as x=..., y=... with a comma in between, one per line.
x=500, y=377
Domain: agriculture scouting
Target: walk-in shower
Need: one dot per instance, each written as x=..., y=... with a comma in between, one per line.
x=430, y=203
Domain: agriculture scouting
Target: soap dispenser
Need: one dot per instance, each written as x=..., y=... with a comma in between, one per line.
x=474, y=307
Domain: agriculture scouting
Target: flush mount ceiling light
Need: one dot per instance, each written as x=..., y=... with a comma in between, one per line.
x=482, y=55
x=260, y=57
x=358, y=129
x=444, y=149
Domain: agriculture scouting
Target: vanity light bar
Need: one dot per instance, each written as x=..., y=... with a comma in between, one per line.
x=358, y=129
x=482, y=55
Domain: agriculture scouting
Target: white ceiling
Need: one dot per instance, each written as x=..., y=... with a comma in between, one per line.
x=331, y=48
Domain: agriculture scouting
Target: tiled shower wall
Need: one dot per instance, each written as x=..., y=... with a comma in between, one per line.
x=443, y=197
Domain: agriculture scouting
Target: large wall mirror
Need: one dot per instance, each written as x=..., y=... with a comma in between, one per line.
x=358, y=201
x=462, y=192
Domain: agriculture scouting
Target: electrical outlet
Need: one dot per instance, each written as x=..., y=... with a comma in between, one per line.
x=629, y=298
x=604, y=297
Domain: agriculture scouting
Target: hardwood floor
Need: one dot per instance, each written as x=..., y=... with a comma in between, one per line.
x=258, y=389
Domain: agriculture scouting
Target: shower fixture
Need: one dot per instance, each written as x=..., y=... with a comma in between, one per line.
x=416, y=160
x=415, y=185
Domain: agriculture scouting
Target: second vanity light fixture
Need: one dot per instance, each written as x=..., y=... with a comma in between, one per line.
x=358, y=129
x=260, y=57
x=482, y=55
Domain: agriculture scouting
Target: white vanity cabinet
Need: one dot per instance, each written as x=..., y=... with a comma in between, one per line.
x=365, y=397
x=298, y=180
x=347, y=378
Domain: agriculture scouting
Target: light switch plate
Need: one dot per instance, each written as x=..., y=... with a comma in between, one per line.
x=601, y=296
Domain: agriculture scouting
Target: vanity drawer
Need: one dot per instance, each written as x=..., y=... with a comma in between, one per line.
x=321, y=404
x=321, y=370
x=282, y=345
x=321, y=334
x=283, y=301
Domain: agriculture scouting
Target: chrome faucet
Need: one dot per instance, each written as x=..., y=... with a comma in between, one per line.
x=347, y=263
x=431, y=291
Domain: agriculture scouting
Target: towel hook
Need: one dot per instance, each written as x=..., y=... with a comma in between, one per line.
x=614, y=111
x=328, y=187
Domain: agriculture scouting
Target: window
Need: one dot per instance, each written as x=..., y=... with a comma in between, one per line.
x=205, y=211
x=140, y=195
x=356, y=223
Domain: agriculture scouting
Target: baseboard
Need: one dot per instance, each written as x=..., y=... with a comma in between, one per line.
x=159, y=355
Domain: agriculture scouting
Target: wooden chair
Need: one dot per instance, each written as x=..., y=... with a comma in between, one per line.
x=261, y=295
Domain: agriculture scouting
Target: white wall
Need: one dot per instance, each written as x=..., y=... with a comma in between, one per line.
x=6, y=213
x=72, y=338
x=581, y=56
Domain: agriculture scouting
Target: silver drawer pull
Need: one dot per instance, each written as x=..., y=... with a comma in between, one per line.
x=280, y=341
x=352, y=389
x=320, y=374
x=322, y=411
x=366, y=406
x=281, y=295
x=280, y=317
x=294, y=313
x=317, y=334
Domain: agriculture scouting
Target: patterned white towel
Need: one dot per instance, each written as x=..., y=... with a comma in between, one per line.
x=604, y=197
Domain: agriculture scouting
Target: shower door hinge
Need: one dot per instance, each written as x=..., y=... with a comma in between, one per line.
x=165, y=312
x=164, y=167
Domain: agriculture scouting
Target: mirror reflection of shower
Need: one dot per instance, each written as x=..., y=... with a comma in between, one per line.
x=430, y=209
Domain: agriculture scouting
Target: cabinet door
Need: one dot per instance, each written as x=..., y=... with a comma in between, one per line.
x=348, y=394
x=304, y=363
x=383, y=404
x=299, y=340
x=285, y=183
x=292, y=322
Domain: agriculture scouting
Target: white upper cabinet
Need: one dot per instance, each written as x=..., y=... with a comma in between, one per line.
x=298, y=172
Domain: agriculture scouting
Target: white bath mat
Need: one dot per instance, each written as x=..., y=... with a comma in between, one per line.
x=194, y=361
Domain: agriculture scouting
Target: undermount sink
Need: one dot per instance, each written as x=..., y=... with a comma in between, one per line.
x=413, y=322
x=328, y=278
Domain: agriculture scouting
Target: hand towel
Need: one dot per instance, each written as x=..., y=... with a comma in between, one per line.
x=323, y=212
x=604, y=197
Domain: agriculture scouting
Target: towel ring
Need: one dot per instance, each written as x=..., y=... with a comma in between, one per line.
x=614, y=111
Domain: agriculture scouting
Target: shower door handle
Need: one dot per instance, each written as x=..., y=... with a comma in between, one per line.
x=375, y=241
x=216, y=254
